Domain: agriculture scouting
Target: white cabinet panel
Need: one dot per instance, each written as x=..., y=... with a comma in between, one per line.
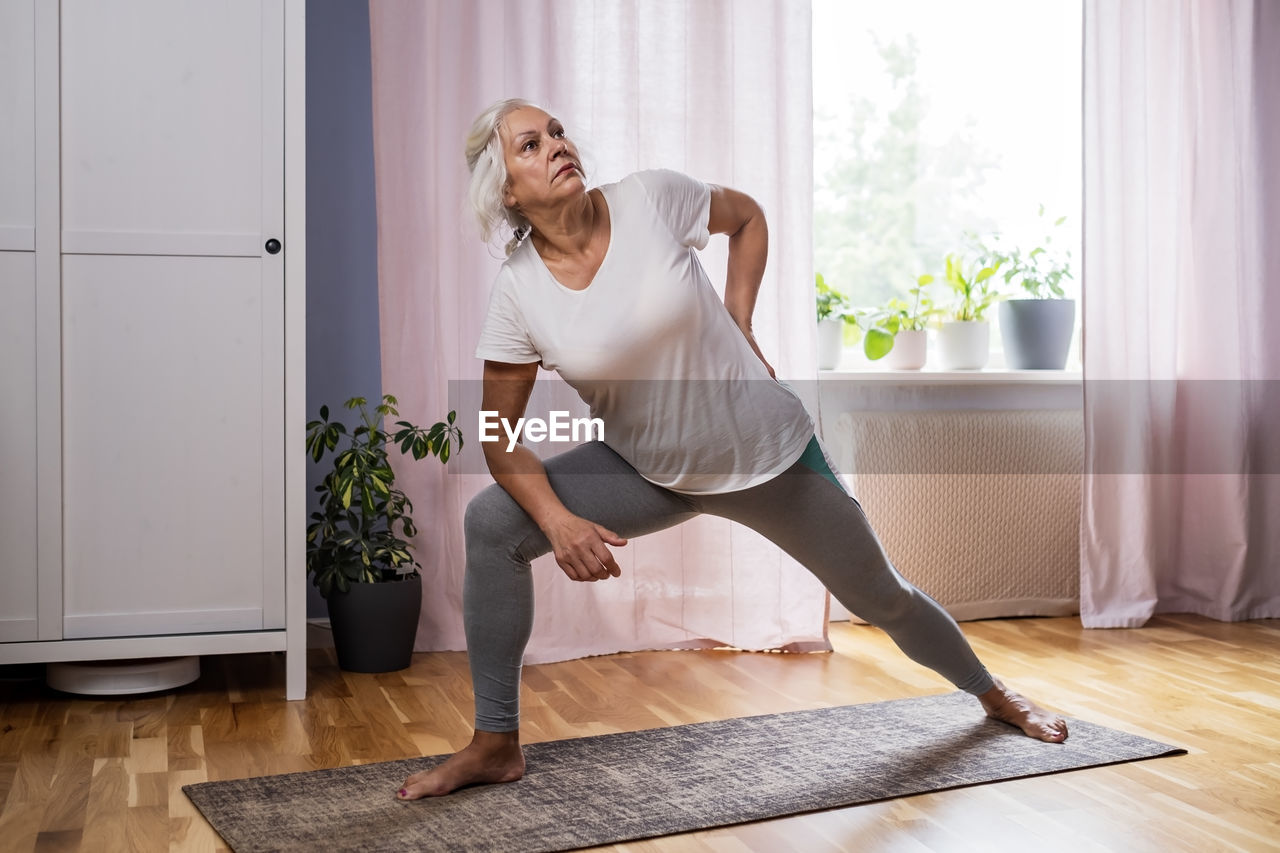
x=172, y=445
x=142, y=329
x=18, y=446
x=172, y=117
x=18, y=451
x=17, y=128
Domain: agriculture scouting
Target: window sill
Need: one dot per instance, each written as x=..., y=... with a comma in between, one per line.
x=954, y=377
x=859, y=389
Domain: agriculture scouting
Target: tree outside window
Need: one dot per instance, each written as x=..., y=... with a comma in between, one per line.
x=934, y=120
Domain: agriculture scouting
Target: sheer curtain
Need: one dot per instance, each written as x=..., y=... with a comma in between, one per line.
x=1182, y=267
x=720, y=89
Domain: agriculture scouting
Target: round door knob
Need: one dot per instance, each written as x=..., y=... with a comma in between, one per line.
x=273, y=246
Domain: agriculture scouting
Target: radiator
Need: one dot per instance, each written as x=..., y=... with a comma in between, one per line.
x=980, y=509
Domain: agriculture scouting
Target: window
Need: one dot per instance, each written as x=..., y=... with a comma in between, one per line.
x=932, y=119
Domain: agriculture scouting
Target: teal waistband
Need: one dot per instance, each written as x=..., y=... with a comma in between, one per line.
x=815, y=460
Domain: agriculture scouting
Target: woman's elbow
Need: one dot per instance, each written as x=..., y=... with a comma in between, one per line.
x=732, y=212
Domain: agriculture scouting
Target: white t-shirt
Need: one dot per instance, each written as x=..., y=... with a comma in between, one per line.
x=651, y=348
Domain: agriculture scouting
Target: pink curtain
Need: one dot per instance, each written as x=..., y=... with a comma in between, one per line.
x=720, y=89
x=1181, y=297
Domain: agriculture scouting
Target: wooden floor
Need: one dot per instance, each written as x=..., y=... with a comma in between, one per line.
x=90, y=775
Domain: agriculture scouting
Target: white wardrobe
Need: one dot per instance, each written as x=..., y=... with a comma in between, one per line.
x=152, y=309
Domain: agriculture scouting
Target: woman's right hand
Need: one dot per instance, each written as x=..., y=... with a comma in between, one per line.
x=580, y=548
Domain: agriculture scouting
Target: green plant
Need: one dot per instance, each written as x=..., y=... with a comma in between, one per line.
x=1039, y=272
x=831, y=302
x=354, y=536
x=973, y=293
x=882, y=325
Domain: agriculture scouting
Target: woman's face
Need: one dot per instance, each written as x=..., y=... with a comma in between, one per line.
x=542, y=164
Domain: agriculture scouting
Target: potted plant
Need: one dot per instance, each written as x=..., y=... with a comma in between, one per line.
x=965, y=339
x=1037, y=327
x=898, y=331
x=357, y=553
x=832, y=307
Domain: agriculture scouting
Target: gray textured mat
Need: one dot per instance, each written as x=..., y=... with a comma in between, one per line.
x=610, y=788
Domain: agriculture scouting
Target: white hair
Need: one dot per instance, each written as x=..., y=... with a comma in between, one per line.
x=489, y=174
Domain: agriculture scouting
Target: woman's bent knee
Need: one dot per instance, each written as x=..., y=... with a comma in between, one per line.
x=496, y=528
x=492, y=516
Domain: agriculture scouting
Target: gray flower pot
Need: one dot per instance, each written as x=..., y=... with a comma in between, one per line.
x=1037, y=332
x=374, y=624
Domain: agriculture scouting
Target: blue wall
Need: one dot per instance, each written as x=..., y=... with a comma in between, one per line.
x=343, y=355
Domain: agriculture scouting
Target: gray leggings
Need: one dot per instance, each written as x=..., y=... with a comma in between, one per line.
x=803, y=511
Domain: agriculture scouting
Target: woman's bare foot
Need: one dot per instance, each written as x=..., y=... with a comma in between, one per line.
x=1004, y=705
x=490, y=757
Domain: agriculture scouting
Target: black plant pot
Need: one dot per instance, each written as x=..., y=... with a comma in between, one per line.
x=1037, y=332
x=374, y=624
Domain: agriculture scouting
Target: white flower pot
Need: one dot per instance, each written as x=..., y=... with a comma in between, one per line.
x=910, y=347
x=830, y=342
x=965, y=345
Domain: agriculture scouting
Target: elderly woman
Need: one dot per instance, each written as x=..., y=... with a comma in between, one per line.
x=604, y=287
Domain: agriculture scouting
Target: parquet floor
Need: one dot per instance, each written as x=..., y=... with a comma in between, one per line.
x=92, y=775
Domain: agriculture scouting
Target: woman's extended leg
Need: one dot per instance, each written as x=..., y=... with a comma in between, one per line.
x=592, y=481
x=806, y=513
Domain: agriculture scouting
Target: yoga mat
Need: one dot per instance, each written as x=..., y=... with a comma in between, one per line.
x=606, y=789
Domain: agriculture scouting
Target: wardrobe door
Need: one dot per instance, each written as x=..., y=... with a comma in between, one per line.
x=18, y=496
x=18, y=577
x=172, y=297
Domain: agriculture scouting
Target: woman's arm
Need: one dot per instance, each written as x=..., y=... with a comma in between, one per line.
x=738, y=215
x=578, y=544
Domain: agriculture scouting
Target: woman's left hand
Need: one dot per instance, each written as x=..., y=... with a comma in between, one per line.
x=755, y=347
